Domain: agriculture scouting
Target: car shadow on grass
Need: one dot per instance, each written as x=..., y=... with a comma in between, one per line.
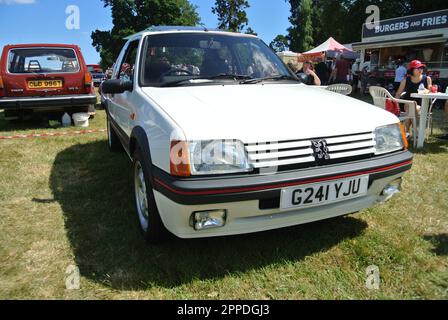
x=94, y=189
x=435, y=146
x=32, y=122
x=440, y=243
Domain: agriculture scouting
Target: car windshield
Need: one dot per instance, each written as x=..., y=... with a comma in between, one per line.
x=179, y=59
x=42, y=60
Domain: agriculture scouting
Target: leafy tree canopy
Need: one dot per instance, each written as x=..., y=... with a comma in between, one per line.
x=251, y=31
x=131, y=16
x=280, y=43
x=343, y=19
x=231, y=14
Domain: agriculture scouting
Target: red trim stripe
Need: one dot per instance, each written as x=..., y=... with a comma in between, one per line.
x=282, y=185
x=52, y=134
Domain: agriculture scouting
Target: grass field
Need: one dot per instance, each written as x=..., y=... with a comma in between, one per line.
x=68, y=201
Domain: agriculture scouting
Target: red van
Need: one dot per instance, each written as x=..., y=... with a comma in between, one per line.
x=44, y=78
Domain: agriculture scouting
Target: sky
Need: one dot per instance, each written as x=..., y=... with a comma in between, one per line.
x=44, y=21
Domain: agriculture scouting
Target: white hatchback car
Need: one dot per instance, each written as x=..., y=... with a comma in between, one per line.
x=226, y=140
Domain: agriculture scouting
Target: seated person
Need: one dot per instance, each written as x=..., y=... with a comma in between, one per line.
x=126, y=71
x=307, y=74
x=411, y=84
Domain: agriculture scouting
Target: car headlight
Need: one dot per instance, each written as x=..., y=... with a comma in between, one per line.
x=389, y=139
x=218, y=157
x=210, y=157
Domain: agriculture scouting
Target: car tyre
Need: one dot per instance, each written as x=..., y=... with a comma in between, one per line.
x=148, y=215
x=112, y=139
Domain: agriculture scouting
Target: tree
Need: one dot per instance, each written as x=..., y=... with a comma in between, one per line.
x=306, y=41
x=318, y=35
x=335, y=19
x=305, y=15
x=131, y=16
x=418, y=6
x=344, y=19
x=251, y=31
x=356, y=10
x=280, y=43
x=294, y=30
x=231, y=14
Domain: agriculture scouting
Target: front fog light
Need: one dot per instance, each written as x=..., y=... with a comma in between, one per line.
x=203, y=220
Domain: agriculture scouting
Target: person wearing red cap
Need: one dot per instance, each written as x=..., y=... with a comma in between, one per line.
x=411, y=84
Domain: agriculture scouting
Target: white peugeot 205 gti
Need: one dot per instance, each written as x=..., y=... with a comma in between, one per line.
x=226, y=140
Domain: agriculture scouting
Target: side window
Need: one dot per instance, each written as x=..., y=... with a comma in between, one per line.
x=126, y=71
x=11, y=64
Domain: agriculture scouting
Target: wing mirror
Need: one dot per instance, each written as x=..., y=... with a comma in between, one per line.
x=116, y=86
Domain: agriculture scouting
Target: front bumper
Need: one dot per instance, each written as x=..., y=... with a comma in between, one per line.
x=253, y=202
x=18, y=103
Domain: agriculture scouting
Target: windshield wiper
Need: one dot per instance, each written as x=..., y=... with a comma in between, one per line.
x=229, y=76
x=274, y=78
x=220, y=76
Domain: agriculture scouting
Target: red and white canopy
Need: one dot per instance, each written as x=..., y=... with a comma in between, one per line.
x=329, y=47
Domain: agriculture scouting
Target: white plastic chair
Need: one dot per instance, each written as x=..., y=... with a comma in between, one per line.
x=380, y=95
x=341, y=88
x=430, y=119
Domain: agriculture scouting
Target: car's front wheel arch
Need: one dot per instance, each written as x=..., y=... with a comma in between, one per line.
x=139, y=139
x=155, y=231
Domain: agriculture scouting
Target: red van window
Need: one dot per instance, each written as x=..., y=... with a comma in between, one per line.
x=43, y=60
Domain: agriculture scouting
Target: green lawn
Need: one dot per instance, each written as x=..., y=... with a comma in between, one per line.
x=68, y=201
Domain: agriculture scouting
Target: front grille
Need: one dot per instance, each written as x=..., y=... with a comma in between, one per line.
x=301, y=152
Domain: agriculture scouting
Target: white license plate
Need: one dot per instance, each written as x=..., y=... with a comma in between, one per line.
x=319, y=194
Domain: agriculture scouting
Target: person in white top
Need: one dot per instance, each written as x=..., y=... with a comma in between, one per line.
x=400, y=74
x=356, y=71
x=366, y=65
x=332, y=78
x=365, y=76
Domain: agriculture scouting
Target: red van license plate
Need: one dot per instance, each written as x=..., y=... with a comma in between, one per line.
x=44, y=84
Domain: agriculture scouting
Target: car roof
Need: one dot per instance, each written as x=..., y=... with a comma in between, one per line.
x=41, y=45
x=183, y=29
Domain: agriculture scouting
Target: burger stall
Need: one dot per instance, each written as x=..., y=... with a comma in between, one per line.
x=423, y=37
